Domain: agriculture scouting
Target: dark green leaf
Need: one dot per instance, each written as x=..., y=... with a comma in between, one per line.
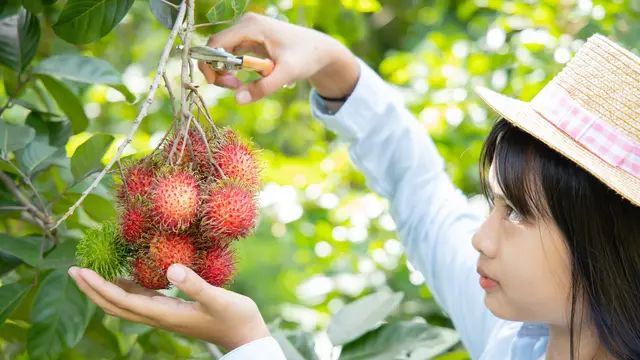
x=8, y=263
x=304, y=343
x=9, y=8
x=37, y=123
x=362, y=315
x=26, y=249
x=61, y=313
x=19, y=39
x=225, y=10
x=87, y=158
x=63, y=256
x=10, y=297
x=99, y=208
x=59, y=133
x=14, y=137
x=388, y=341
x=165, y=14
x=34, y=157
x=84, y=21
x=84, y=69
x=34, y=6
x=68, y=102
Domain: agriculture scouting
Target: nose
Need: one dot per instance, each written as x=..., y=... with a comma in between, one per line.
x=485, y=239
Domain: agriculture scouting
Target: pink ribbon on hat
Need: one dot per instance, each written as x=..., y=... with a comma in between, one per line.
x=593, y=133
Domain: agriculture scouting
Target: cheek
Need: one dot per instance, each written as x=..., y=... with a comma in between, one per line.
x=536, y=280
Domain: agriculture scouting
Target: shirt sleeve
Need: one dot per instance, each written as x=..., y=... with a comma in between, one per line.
x=433, y=218
x=264, y=349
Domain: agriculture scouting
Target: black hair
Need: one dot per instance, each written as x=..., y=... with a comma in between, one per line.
x=600, y=227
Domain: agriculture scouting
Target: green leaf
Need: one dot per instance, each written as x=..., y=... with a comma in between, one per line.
x=34, y=6
x=165, y=14
x=84, y=69
x=457, y=355
x=290, y=351
x=388, y=341
x=35, y=157
x=10, y=8
x=99, y=208
x=68, y=102
x=84, y=21
x=26, y=249
x=225, y=10
x=19, y=39
x=60, y=315
x=362, y=315
x=87, y=158
x=8, y=263
x=10, y=81
x=445, y=340
x=10, y=297
x=14, y=137
x=304, y=343
x=63, y=256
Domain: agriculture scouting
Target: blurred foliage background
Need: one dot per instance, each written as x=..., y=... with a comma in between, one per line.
x=324, y=238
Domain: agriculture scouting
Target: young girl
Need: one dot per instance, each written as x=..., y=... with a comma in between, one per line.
x=552, y=273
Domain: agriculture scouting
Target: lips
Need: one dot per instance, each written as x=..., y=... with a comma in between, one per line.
x=486, y=282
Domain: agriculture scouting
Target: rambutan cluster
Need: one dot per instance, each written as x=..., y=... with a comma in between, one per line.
x=187, y=204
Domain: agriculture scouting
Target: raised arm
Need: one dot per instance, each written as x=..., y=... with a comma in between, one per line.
x=433, y=218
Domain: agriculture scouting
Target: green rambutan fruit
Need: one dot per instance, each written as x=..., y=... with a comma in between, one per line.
x=175, y=200
x=171, y=248
x=219, y=267
x=148, y=275
x=238, y=161
x=230, y=211
x=103, y=250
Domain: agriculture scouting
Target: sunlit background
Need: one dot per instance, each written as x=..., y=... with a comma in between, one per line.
x=324, y=238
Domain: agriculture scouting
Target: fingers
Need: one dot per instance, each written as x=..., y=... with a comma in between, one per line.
x=105, y=305
x=154, y=308
x=258, y=89
x=248, y=29
x=211, y=297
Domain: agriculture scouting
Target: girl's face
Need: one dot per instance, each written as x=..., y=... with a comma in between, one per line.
x=528, y=261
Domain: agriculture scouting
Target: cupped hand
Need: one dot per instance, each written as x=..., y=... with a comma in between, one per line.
x=216, y=315
x=298, y=53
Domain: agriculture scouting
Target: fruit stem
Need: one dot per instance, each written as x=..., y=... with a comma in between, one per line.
x=203, y=108
x=204, y=138
x=124, y=181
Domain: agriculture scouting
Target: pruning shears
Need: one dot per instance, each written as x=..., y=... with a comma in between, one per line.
x=221, y=60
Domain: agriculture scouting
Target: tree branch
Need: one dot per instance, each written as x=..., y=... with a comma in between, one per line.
x=47, y=218
x=143, y=110
x=11, y=185
x=170, y=4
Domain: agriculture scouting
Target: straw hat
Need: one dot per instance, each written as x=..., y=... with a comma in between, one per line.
x=590, y=113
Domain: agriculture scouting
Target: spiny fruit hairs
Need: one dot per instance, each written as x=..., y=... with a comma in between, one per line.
x=185, y=210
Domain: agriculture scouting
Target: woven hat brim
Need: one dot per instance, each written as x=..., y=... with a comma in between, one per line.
x=522, y=115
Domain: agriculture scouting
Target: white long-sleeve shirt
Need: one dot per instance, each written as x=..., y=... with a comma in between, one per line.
x=433, y=219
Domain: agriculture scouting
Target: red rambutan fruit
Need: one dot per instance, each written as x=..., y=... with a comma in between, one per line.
x=138, y=180
x=196, y=151
x=230, y=211
x=219, y=267
x=168, y=249
x=134, y=223
x=175, y=200
x=147, y=275
x=238, y=161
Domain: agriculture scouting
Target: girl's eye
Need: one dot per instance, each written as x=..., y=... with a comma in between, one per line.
x=512, y=214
